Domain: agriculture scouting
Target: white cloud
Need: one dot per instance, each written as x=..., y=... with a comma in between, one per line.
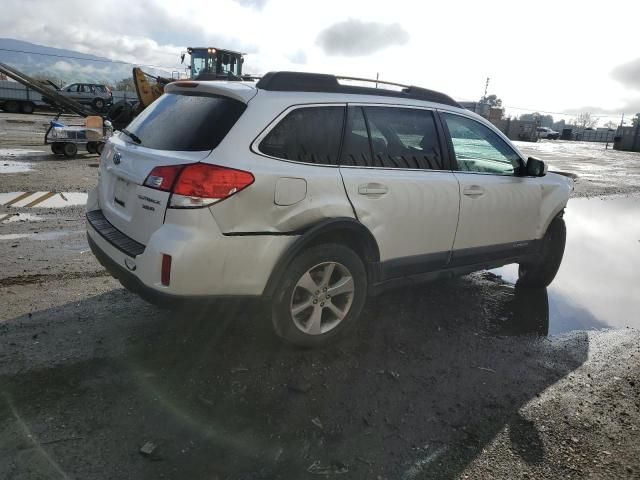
x=532, y=56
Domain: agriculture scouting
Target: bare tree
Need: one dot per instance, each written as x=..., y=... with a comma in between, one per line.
x=636, y=120
x=611, y=125
x=585, y=120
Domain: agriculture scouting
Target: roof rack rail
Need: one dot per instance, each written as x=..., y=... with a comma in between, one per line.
x=321, y=82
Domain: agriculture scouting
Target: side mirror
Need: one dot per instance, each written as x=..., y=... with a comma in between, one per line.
x=536, y=167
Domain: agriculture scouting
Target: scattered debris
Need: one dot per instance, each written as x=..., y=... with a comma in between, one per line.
x=487, y=369
x=147, y=449
x=65, y=439
x=239, y=370
x=335, y=468
x=392, y=374
x=316, y=421
x=299, y=387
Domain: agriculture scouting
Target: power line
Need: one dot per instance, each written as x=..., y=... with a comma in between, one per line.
x=106, y=60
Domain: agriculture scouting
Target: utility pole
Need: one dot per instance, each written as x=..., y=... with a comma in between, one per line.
x=622, y=120
x=377, y=77
x=486, y=88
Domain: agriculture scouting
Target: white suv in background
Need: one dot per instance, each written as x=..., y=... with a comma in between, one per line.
x=548, y=133
x=312, y=194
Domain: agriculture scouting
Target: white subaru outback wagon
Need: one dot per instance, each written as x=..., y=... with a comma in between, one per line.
x=313, y=193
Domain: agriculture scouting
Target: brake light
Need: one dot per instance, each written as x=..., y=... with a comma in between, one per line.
x=198, y=184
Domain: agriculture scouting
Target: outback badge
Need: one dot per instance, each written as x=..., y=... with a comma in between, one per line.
x=117, y=158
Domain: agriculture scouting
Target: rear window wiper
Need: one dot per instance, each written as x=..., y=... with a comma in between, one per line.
x=132, y=136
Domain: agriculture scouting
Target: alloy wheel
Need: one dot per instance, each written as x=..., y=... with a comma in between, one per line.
x=322, y=298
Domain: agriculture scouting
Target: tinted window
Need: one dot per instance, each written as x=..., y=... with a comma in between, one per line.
x=310, y=134
x=187, y=122
x=403, y=138
x=479, y=149
x=356, y=149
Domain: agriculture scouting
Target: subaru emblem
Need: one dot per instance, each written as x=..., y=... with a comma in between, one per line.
x=117, y=158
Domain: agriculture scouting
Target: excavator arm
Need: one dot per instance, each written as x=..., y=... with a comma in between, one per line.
x=148, y=92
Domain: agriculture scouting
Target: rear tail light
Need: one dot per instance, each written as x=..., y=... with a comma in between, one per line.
x=198, y=184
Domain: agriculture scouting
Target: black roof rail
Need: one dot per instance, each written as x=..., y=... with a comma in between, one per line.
x=321, y=82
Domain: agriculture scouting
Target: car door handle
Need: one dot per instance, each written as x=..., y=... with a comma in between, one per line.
x=473, y=191
x=372, y=189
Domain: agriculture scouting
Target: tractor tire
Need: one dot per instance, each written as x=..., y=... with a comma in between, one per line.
x=120, y=114
x=27, y=107
x=11, y=106
x=70, y=150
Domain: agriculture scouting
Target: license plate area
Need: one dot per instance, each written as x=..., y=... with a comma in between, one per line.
x=121, y=193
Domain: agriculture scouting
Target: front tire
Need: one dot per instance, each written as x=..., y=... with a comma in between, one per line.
x=321, y=295
x=540, y=273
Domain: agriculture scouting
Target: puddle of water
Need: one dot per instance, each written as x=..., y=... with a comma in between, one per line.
x=40, y=235
x=598, y=284
x=8, y=166
x=22, y=217
x=43, y=199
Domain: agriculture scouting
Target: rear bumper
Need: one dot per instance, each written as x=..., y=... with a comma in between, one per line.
x=131, y=282
x=205, y=263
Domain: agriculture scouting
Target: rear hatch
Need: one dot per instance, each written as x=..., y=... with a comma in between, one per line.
x=180, y=128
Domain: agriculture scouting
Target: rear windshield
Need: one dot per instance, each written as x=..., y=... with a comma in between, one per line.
x=186, y=121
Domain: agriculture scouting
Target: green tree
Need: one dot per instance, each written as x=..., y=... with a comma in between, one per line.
x=125, y=84
x=491, y=100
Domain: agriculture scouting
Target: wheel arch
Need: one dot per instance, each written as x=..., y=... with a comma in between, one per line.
x=346, y=231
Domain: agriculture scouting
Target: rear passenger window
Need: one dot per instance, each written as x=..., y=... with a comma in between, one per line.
x=403, y=138
x=309, y=134
x=356, y=149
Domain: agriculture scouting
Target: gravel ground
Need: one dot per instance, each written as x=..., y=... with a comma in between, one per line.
x=451, y=380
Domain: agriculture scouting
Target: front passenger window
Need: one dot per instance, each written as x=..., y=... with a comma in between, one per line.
x=478, y=149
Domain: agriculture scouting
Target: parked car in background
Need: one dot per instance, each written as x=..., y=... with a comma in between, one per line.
x=313, y=194
x=549, y=134
x=97, y=95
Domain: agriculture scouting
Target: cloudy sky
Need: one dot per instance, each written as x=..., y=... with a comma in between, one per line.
x=548, y=56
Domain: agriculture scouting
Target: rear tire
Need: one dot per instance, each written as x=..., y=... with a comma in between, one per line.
x=70, y=150
x=99, y=148
x=322, y=291
x=26, y=107
x=11, y=106
x=98, y=104
x=57, y=148
x=541, y=272
x=92, y=147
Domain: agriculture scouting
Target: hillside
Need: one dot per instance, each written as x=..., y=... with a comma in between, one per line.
x=61, y=65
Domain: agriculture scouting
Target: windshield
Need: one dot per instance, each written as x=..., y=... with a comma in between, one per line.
x=203, y=62
x=186, y=122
